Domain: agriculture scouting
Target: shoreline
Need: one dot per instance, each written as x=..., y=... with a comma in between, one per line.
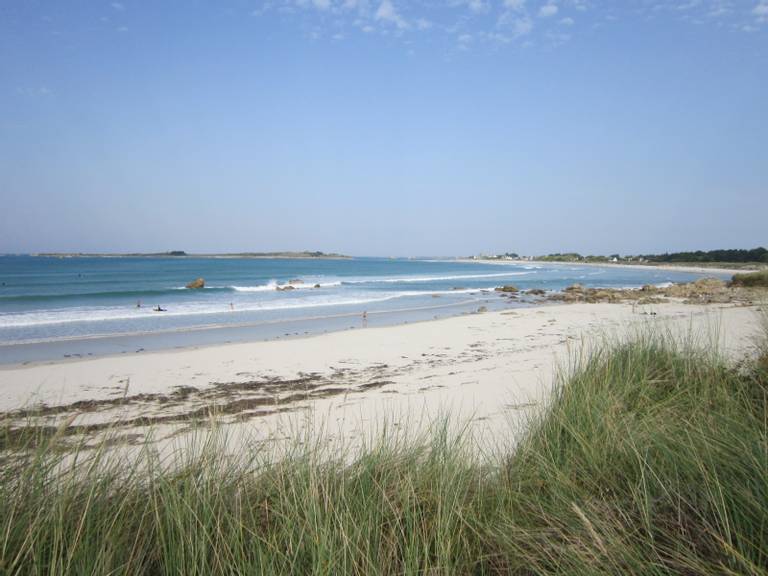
x=244, y=332
x=667, y=267
x=247, y=324
x=24, y=352
x=194, y=334
x=490, y=370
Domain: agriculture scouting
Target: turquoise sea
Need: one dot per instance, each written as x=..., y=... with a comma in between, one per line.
x=54, y=307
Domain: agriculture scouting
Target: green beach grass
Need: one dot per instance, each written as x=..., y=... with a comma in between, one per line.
x=751, y=279
x=652, y=458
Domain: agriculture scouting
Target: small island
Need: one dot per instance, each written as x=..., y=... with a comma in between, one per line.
x=182, y=254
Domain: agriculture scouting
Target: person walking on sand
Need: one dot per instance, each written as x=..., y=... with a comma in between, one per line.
x=365, y=318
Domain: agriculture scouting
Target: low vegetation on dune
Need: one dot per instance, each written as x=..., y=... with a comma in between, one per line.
x=650, y=459
x=751, y=279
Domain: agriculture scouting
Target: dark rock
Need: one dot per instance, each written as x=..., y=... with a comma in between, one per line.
x=507, y=288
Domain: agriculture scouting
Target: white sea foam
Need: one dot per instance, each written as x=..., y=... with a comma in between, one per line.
x=398, y=279
x=310, y=283
x=273, y=285
x=106, y=314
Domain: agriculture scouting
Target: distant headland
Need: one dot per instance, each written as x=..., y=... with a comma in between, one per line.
x=755, y=258
x=183, y=254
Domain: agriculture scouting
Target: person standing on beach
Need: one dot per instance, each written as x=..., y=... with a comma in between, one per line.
x=365, y=318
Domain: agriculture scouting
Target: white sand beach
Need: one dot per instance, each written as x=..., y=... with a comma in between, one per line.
x=488, y=370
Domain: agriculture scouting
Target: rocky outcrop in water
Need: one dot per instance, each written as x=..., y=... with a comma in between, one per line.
x=196, y=284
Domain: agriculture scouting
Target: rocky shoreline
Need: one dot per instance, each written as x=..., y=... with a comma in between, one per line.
x=702, y=291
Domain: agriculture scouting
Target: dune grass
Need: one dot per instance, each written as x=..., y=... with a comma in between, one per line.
x=751, y=279
x=652, y=458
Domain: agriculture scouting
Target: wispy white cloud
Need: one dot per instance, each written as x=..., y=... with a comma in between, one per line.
x=761, y=11
x=464, y=42
x=516, y=5
x=478, y=6
x=514, y=20
x=516, y=24
x=387, y=12
x=496, y=38
x=263, y=9
x=718, y=12
x=548, y=10
x=522, y=26
x=689, y=5
x=41, y=91
x=118, y=6
x=498, y=22
x=744, y=15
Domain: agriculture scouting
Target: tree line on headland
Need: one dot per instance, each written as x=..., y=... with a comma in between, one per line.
x=741, y=256
x=733, y=255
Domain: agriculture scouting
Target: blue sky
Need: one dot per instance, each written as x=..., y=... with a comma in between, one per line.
x=384, y=127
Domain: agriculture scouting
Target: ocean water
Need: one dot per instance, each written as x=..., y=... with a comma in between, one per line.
x=69, y=301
